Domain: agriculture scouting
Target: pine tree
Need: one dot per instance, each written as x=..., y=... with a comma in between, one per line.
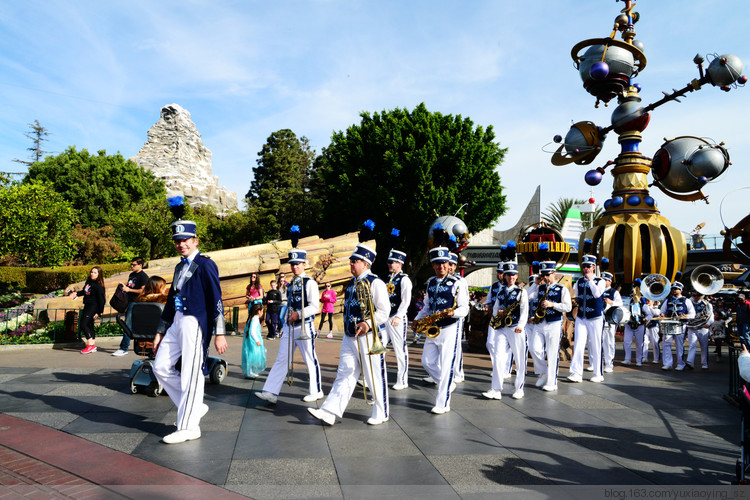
x=38, y=135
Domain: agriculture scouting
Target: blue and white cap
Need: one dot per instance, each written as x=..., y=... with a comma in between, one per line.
x=547, y=266
x=588, y=259
x=607, y=276
x=396, y=256
x=452, y=258
x=678, y=285
x=499, y=267
x=297, y=256
x=363, y=252
x=440, y=254
x=183, y=229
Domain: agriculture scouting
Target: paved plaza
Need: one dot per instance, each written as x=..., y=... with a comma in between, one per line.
x=71, y=427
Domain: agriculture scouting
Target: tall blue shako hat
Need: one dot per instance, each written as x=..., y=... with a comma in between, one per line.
x=546, y=264
x=587, y=258
x=362, y=251
x=395, y=254
x=441, y=252
x=296, y=255
x=511, y=265
x=605, y=270
x=181, y=229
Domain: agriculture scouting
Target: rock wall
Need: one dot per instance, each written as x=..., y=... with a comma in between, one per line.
x=174, y=152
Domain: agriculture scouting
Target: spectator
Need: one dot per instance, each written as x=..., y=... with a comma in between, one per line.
x=134, y=288
x=328, y=300
x=93, y=305
x=742, y=309
x=254, y=291
x=282, y=288
x=154, y=291
x=253, y=351
x=273, y=307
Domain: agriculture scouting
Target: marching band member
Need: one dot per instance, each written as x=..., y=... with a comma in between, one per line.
x=611, y=298
x=651, y=333
x=512, y=307
x=635, y=328
x=675, y=305
x=489, y=301
x=192, y=314
x=445, y=294
x=399, y=293
x=554, y=300
x=458, y=368
x=699, y=333
x=358, y=340
x=534, y=336
x=303, y=300
x=589, y=322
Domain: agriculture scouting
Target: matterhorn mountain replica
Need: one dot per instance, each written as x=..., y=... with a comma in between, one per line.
x=175, y=153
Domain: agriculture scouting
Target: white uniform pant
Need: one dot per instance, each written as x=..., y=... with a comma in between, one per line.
x=397, y=337
x=349, y=371
x=458, y=364
x=695, y=336
x=667, y=350
x=608, y=344
x=185, y=387
x=631, y=334
x=501, y=343
x=587, y=332
x=551, y=332
x=651, y=336
x=287, y=346
x=536, y=341
x=438, y=360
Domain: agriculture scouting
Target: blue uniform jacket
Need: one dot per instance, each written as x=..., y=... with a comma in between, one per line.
x=201, y=297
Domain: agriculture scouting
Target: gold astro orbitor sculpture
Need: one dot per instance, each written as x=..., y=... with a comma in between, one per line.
x=631, y=233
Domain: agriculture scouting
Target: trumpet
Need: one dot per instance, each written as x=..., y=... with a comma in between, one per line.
x=364, y=296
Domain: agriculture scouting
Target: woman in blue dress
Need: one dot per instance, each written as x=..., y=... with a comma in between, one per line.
x=253, y=350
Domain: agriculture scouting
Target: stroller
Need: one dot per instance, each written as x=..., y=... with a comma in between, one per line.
x=145, y=317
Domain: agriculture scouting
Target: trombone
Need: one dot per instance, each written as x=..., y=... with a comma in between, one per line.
x=296, y=281
x=364, y=296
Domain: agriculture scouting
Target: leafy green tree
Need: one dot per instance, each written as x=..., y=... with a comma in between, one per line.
x=36, y=225
x=279, y=194
x=38, y=135
x=143, y=228
x=98, y=186
x=402, y=168
x=556, y=212
x=96, y=246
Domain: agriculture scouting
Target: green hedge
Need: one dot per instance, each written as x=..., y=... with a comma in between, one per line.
x=45, y=280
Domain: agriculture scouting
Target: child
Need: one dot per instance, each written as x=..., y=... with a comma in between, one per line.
x=253, y=350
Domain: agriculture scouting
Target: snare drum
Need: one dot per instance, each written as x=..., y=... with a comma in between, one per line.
x=671, y=327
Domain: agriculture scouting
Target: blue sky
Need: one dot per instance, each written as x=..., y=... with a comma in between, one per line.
x=96, y=75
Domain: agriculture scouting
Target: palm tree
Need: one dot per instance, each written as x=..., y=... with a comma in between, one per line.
x=555, y=213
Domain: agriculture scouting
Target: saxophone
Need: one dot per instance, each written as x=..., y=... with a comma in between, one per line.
x=504, y=318
x=428, y=326
x=540, y=312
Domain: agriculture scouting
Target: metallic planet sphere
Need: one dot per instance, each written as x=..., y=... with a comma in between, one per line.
x=626, y=113
x=725, y=70
x=593, y=177
x=680, y=163
x=557, y=139
x=639, y=45
x=620, y=61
